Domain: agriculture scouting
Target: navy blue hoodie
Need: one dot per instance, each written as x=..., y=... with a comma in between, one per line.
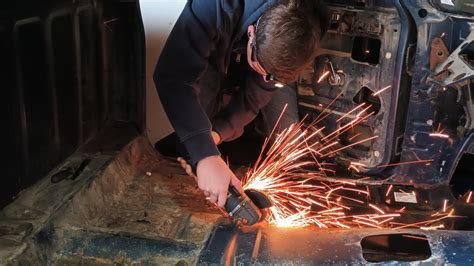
x=206, y=31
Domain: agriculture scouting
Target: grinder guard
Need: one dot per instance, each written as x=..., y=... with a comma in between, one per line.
x=241, y=208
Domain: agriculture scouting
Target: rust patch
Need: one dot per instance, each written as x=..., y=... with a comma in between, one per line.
x=439, y=54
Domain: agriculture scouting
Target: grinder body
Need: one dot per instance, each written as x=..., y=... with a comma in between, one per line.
x=241, y=208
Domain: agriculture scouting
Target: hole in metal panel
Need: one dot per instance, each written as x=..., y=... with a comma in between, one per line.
x=366, y=50
x=422, y=13
x=460, y=76
x=357, y=133
x=462, y=181
x=467, y=54
x=365, y=95
x=395, y=247
x=448, y=65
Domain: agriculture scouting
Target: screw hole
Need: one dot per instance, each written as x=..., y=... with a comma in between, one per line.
x=422, y=13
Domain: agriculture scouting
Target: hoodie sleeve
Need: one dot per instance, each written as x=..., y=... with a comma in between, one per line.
x=182, y=62
x=243, y=107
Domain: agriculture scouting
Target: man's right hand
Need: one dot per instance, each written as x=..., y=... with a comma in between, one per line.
x=214, y=178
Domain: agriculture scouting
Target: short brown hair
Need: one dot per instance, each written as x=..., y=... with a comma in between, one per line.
x=287, y=36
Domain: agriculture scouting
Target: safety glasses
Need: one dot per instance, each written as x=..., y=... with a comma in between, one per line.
x=267, y=77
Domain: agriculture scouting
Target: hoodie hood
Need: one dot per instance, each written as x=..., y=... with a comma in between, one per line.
x=253, y=10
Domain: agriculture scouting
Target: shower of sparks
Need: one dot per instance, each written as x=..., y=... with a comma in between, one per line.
x=381, y=90
x=291, y=172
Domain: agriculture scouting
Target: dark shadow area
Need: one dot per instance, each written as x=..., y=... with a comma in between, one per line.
x=366, y=95
x=71, y=68
x=395, y=247
x=462, y=181
x=467, y=54
x=243, y=151
x=366, y=50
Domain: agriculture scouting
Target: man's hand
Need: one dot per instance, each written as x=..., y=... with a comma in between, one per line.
x=214, y=178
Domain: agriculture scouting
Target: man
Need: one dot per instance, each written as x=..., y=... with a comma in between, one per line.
x=280, y=36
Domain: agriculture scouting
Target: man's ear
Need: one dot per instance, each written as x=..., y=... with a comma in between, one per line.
x=251, y=31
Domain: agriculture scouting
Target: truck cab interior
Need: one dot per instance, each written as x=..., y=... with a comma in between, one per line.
x=84, y=184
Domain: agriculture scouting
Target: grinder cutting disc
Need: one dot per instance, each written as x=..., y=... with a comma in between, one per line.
x=258, y=198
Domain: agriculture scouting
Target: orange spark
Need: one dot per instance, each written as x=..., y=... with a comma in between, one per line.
x=415, y=237
x=350, y=112
x=377, y=208
x=468, y=200
x=382, y=90
x=405, y=163
x=445, y=205
x=441, y=226
x=323, y=76
x=388, y=190
x=353, y=167
x=355, y=136
x=439, y=135
x=402, y=209
x=350, y=145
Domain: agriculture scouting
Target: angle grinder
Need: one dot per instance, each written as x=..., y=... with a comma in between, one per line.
x=244, y=208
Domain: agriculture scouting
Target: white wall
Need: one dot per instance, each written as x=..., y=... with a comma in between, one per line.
x=159, y=17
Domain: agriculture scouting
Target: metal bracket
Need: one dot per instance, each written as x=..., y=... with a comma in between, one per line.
x=456, y=65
